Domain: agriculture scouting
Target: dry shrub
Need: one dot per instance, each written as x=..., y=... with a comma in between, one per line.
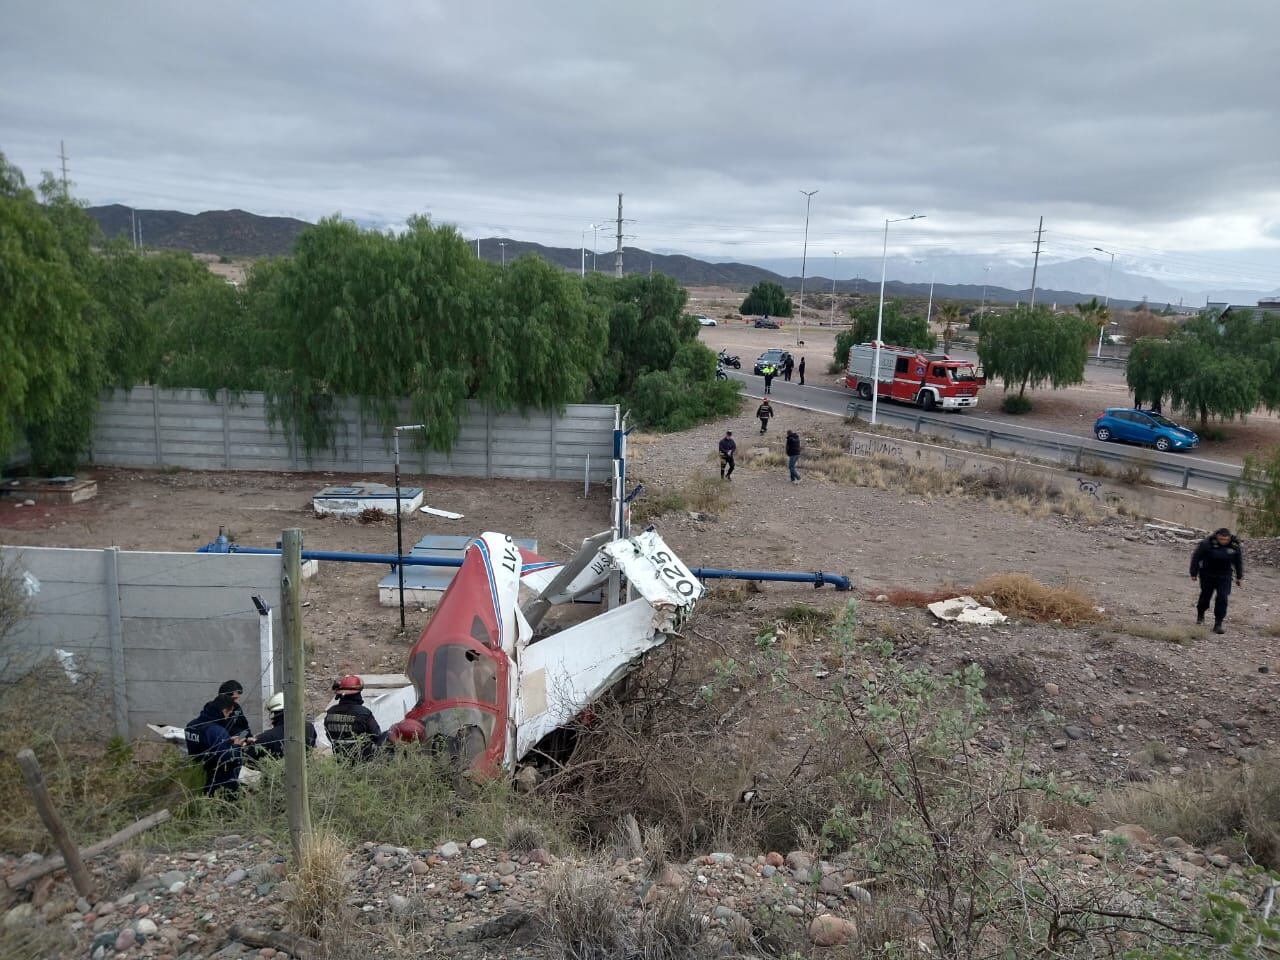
x=373, y=515
x=1208, y=807
x=918, y=598
x=1020, y=595
x=319, y=885
x=35, y=941
x=628, y=840
x=583, y=918
x=132, y=865
x=523, y=835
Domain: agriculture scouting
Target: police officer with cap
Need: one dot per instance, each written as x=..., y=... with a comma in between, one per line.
x=351, y=726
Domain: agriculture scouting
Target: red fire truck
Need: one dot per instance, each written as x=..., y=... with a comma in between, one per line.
x=929, y=380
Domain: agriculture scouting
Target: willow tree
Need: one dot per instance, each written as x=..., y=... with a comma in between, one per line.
x=383, y=317
x=49, y=347
x=1032, y=346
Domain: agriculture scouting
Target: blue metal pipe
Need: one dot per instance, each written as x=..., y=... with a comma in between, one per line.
x=817, y=579
x=387, y=558
x=702, y=573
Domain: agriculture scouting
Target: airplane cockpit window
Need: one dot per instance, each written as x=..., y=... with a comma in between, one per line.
x=461, y=672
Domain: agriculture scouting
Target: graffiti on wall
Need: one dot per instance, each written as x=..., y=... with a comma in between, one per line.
x=871, y=447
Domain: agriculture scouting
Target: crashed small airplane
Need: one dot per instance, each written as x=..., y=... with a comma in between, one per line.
x=485, y=689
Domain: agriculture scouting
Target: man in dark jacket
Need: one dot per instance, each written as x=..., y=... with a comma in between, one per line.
x=763, y=413
x=218, y=752
x=728, y=447
x=793, y=453
x=1214, y=561
x=800, y=370
x=787, y=366
x=351, y=726
x=271, y=741
x=238, y=725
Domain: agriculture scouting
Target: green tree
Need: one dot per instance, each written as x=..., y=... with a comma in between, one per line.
x=49, y=346
x=1030, y=347
x=898, y=329
x=949, y=314
x=767, y=298
x=1095, y=314
x=1201, y=370
x=1256, y=496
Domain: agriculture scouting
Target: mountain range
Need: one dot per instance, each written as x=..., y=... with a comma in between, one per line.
x=238, y=233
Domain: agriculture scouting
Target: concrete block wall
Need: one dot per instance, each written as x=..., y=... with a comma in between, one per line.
x=158, y=631
x=149, y=427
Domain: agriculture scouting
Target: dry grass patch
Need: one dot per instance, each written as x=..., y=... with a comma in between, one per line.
x=319, y=884
x=702, y=493
x=35, y=941
x=1020, y=595
x=1183, y=635
x=1219, y=806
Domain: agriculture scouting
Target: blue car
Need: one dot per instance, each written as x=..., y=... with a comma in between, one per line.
x=1144, y=427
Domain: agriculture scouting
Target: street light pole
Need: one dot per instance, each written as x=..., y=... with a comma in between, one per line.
x=1106, y=296
x=584, y=252
x=808, y=198
x=884, y=266
x=982, y=307
x=399, y=524
x=835, y=264
x=503, y=245
x=595, y=242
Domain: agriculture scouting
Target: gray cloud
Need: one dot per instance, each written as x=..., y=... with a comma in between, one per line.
x=1147, y=127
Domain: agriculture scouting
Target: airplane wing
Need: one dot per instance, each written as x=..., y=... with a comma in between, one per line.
x=562, y=674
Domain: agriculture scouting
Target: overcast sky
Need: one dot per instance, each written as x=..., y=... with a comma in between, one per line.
x=1147, y=128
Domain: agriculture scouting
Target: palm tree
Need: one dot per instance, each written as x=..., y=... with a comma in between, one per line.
x=1097, y=314
x=949, y=313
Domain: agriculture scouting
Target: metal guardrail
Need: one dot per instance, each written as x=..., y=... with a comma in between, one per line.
x=1067, y=450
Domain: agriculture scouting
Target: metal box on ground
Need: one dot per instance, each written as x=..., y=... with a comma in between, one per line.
x=354, y=498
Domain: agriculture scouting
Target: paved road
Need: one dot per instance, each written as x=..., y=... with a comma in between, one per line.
x=825, y=399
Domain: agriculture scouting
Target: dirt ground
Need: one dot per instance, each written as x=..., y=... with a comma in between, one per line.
x=1119, y=688
x=346, y=629
x=1071, y=410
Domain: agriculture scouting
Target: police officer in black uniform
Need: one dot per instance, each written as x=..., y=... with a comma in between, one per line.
x=350, y=726
x=238, y=725
x=1215, y=559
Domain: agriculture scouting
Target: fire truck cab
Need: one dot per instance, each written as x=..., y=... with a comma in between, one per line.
x=929, y=380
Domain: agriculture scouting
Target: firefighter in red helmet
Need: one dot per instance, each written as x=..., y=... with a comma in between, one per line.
x=350, y=726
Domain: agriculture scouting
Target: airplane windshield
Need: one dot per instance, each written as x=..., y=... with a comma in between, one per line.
x=459, y=672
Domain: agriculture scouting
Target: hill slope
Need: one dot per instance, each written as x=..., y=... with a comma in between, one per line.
x=243, y=234
x=224, y=232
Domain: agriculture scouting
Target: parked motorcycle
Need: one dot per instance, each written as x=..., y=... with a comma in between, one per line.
x=729, y=361
x=720, y=374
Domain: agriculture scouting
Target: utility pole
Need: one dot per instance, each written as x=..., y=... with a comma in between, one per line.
x=503, y=245
x=1036, y=266
x=62, y=155
x=804, y=256
x=835, y=263
x=617, y=257
x=584, y=254
x=133, y=227
x=139, y=233
x=295, y=748
x=982, y=309
x=477, y=248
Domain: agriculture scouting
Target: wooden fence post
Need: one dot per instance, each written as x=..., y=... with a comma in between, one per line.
x=53, y=823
